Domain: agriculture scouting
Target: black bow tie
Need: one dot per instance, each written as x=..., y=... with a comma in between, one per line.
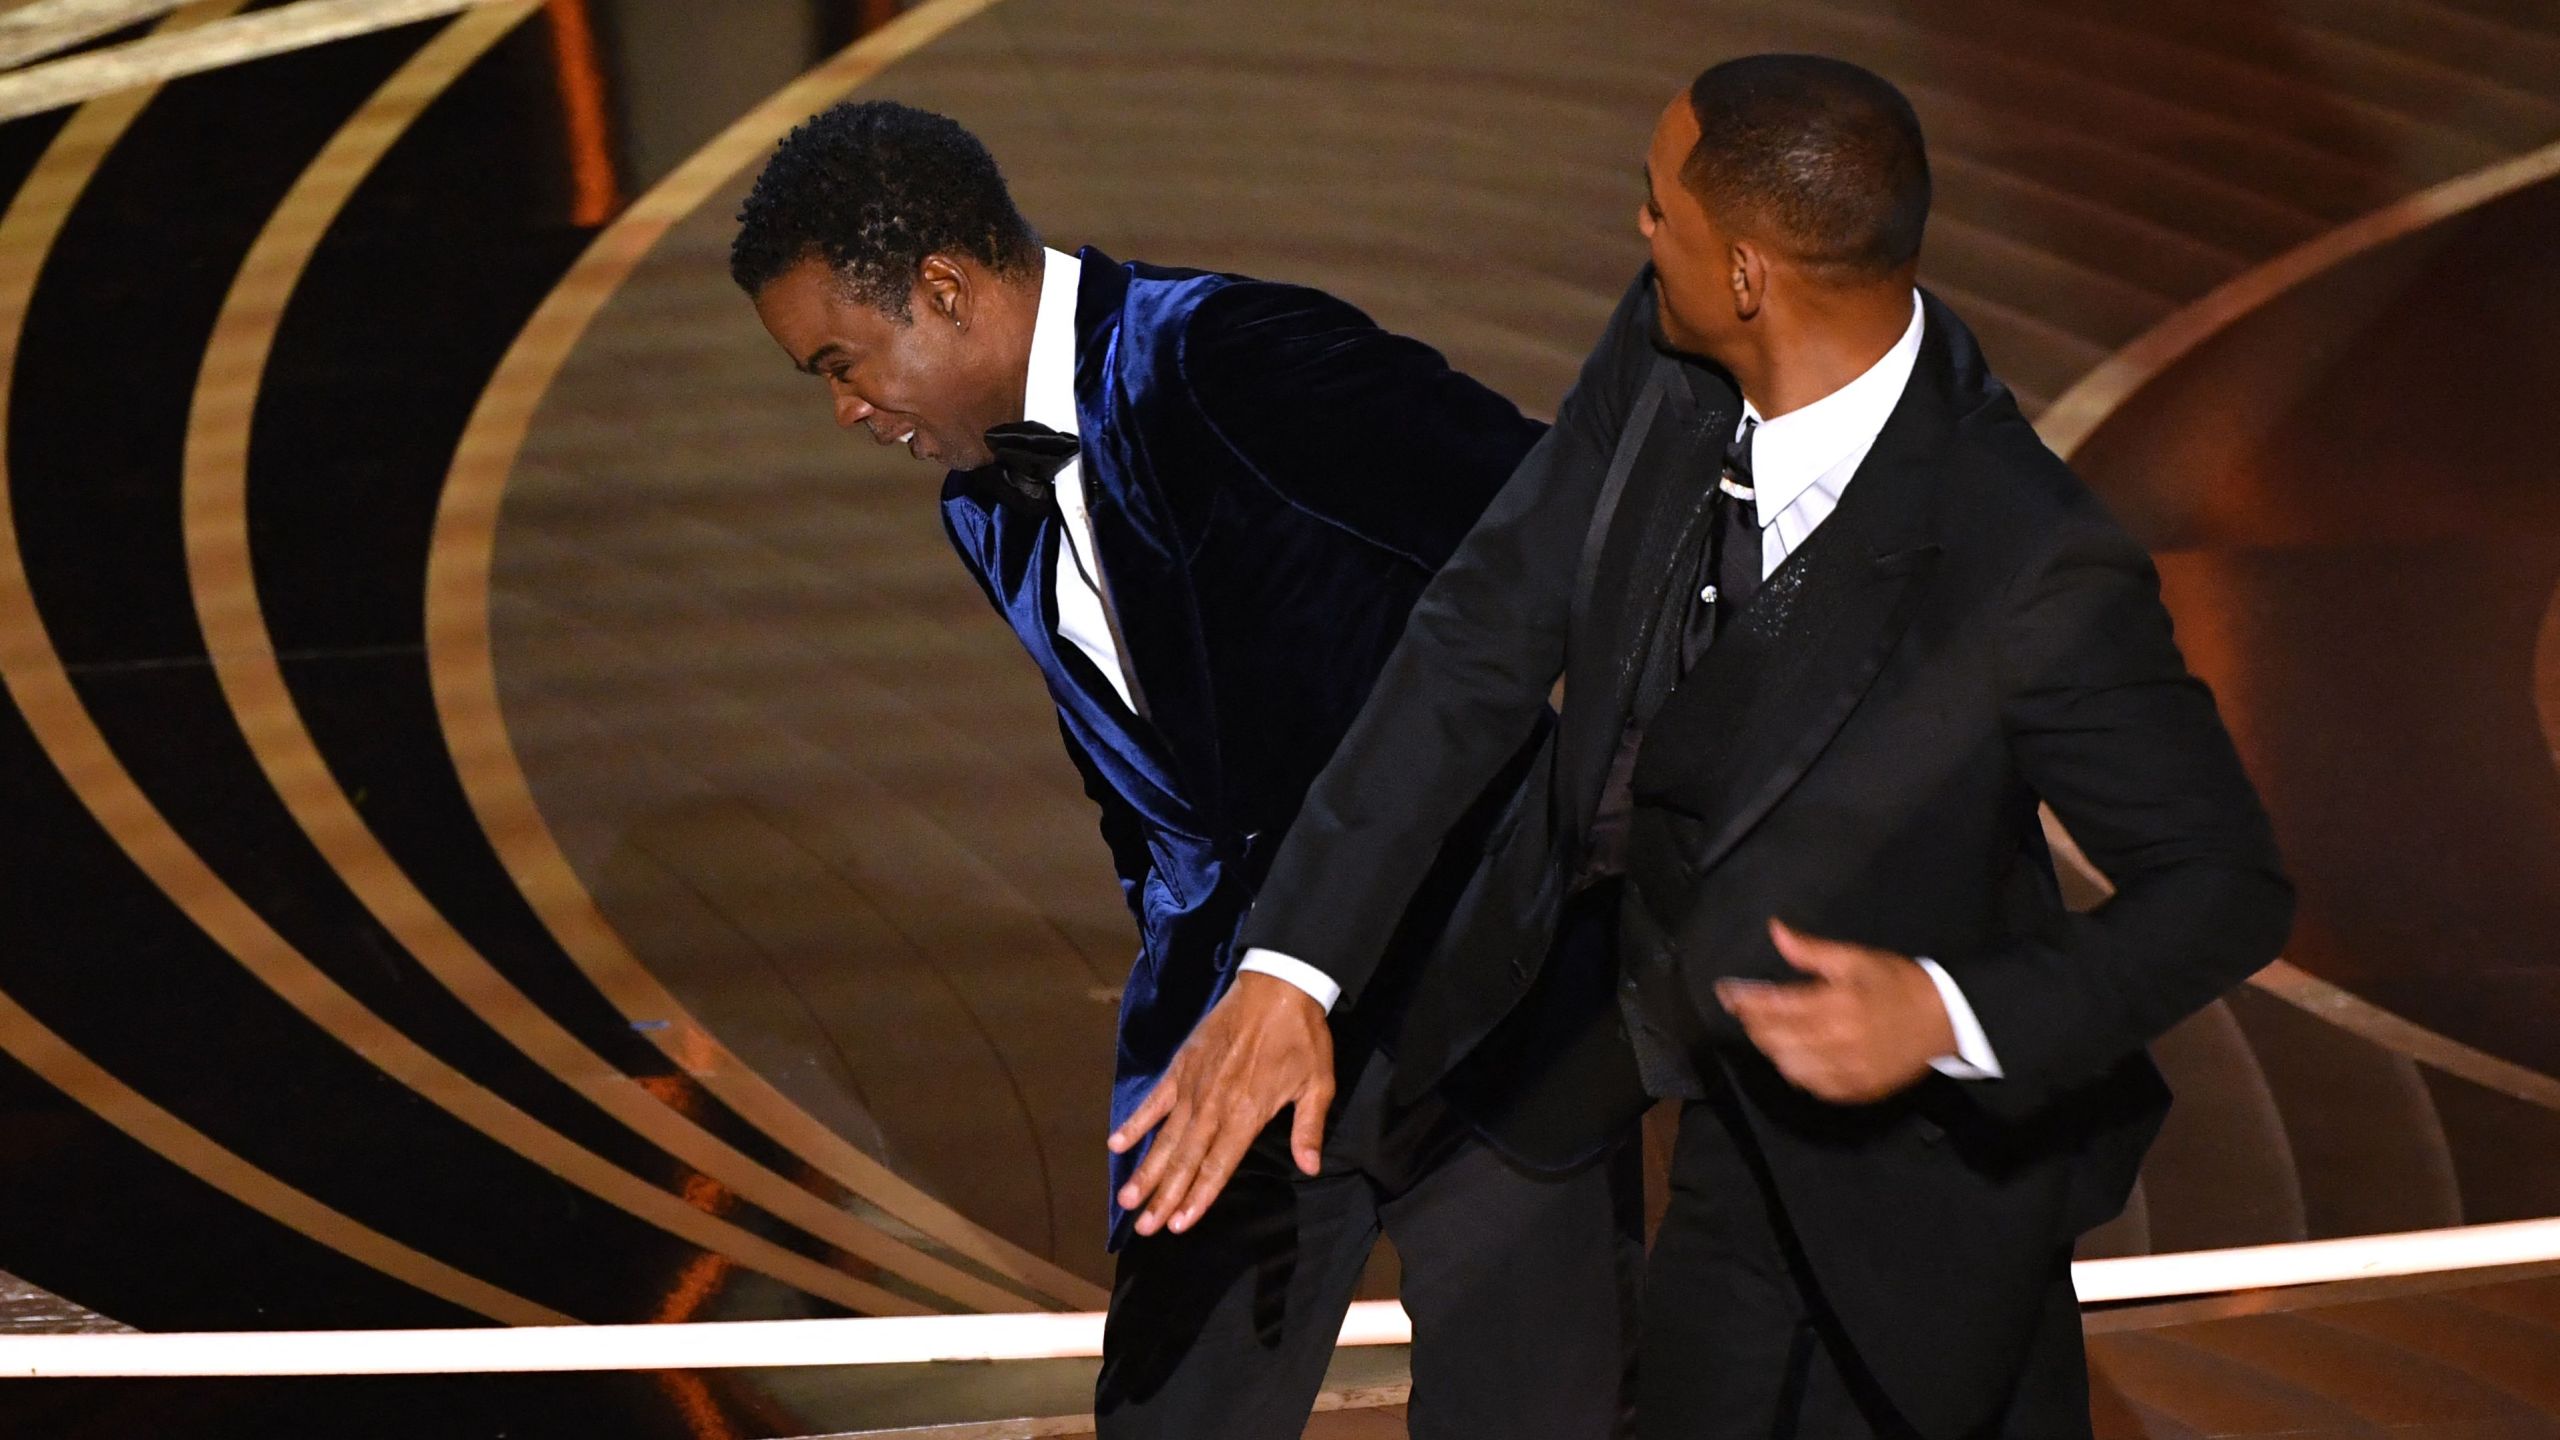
x=1029, y=456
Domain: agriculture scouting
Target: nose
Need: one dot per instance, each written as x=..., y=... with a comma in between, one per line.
x=851, y=410
x=1644, y=219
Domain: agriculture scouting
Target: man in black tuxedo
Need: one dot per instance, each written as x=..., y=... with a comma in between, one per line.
x=1204, y=504
x=1832, y=621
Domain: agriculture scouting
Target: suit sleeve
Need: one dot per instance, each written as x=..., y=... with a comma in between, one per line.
x=1459, y=693
x=2110, y=729
x=1369, y=430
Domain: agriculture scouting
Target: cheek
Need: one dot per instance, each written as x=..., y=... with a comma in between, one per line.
x=1679, y=306
x=1693, y=295
x=902, y=386
x=922, y=382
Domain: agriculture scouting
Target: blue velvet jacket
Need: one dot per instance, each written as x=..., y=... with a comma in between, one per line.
x=1272, y=479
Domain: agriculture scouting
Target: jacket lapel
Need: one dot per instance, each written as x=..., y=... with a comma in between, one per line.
x=1666, y=448
x=1145, y=573
x=1802, y=701
x=1828, y=653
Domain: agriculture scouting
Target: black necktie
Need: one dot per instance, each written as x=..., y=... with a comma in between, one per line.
x=1729, y=570
x=1029, y=455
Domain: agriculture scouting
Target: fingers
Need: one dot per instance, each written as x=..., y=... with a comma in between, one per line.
x=1818, y=1039
x=1185, y=1155
x=1158, y=1104
x=1822, y=1031
x=1190, y=1189
x=1760, y=1001
x=1263, y=1046
x=1306, y=1125
x=1210, y=1176
x=1839, y=961
x=1152, y=1172
x=1793, y=946
x=1834, y=960
x=1808, y=1032
x=1802, y=1055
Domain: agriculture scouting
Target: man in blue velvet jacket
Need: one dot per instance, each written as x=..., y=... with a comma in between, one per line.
x=1205, y=504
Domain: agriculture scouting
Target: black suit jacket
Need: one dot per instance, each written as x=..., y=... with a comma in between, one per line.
x=1982, y=637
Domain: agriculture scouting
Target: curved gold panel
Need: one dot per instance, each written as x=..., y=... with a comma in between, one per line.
x=36, y=682
x=2085, y=406
x=227, y=607
x=466, y=683
x=31, y=1044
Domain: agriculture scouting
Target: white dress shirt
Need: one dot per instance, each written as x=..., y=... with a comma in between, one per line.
x=1049, y=398
x=1084, y=615
x=1801, y=463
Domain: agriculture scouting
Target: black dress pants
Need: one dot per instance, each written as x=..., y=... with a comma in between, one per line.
x=1738, y=1344
x=1522, y=1288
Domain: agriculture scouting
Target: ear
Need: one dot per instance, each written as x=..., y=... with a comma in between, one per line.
x=943, y=291
x=1748, y=275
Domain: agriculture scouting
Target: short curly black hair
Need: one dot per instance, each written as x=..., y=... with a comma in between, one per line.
x=874, y=187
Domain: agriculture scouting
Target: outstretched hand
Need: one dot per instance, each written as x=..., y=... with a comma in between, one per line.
x=1863, y=1025
x=1262, y=1047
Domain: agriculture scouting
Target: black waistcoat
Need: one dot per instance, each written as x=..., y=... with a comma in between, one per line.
x=1687, y=738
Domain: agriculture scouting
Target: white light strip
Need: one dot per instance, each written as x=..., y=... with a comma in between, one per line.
x=236, y=41
x=980, y=1338
x=47, y=27
x=2316, y=1262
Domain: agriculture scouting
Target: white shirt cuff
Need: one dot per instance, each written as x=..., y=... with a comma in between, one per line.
x=1973, y=1059
x=1318, y=985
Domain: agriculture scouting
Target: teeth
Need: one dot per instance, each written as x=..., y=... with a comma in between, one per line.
x=910, y=435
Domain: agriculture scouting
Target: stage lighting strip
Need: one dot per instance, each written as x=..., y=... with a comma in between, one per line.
x=49, y=27
x=58, y=83
x=769, y=1344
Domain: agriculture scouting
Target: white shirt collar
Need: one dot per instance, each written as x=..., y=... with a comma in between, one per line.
x=1803, y=446
x=1049, y=390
